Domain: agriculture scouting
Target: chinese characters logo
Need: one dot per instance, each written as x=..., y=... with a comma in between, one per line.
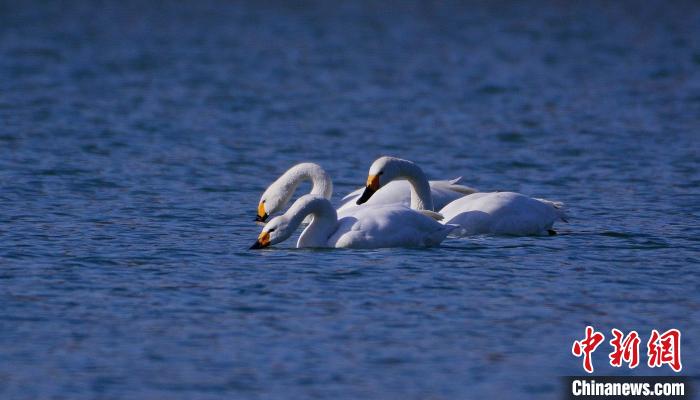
x=662, y=348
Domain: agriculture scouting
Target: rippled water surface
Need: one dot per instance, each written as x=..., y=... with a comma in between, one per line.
x=136, y=139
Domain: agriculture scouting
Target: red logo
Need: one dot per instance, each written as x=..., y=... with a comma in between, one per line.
x=665, y=349
x=587, y=346
x=626, y=350
x=662, y=349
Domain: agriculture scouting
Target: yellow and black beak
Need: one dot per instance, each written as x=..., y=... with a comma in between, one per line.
x=262, y=215
x=372, y=186
x=262, y=242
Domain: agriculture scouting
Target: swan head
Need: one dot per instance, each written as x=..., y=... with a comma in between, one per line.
x=382, y=171
x=273, y=200
x=275, y=231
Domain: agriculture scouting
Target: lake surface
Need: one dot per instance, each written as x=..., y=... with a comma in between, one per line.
x=136, y=139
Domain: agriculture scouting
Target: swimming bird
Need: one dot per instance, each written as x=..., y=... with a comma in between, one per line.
x=373, y=226
x=278, y=194
x=502, y=213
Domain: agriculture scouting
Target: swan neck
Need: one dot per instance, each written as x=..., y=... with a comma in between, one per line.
x=321, y=182
x=287, y=184
x=322, y=225
x=421, y=198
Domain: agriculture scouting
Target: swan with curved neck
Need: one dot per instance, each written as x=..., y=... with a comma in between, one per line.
x=398, y=169
x=504, y=213
x=280, y=192
x=370, y=227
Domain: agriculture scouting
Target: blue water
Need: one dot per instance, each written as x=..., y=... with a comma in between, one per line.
x=136, y=139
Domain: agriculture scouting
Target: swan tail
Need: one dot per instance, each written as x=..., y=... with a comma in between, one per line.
x=432, y=214
x=558, y=208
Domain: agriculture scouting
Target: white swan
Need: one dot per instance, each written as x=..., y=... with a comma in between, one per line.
x=278, y=194
x=502, y=213
x=391, y=225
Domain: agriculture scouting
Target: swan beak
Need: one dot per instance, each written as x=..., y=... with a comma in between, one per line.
x=262, y=242
x=372, y=186
x=261, y=218
x=262, y=215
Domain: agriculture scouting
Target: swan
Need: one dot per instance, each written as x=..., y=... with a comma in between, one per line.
x=501, y=213
x=383, y=225
x=278, y=194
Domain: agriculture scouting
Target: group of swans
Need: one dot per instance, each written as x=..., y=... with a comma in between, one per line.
x=395, y=209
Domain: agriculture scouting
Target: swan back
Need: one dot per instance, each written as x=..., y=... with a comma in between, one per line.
x=502, y=213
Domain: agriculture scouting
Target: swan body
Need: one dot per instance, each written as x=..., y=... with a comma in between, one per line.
x=377, y=226
x=501, y=213
x=280, y=192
